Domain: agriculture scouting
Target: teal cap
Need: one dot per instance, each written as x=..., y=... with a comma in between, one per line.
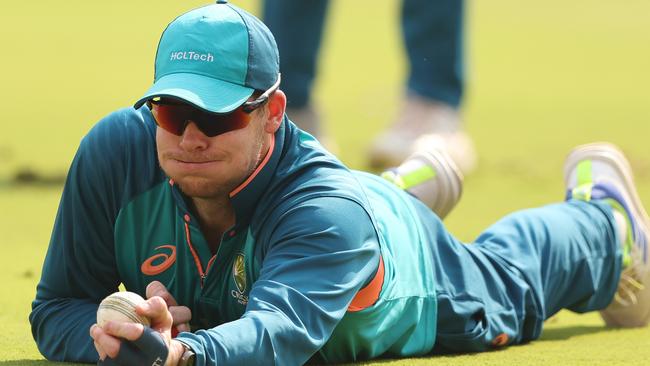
x=214, y=57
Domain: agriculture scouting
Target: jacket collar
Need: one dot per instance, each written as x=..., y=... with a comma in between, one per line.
x=245, y=197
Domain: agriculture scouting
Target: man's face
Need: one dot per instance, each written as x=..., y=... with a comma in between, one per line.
x=209, y=167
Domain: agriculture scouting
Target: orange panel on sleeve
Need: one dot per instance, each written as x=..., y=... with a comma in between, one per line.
x=368, y=295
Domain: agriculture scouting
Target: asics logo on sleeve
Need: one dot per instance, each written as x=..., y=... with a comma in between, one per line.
x=159, y=263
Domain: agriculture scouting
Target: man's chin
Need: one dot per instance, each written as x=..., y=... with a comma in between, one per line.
x=200, y=188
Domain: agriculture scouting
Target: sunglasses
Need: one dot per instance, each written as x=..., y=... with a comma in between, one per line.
x=174, y=116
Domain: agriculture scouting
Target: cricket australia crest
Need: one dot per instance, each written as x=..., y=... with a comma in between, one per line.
x=239, y=277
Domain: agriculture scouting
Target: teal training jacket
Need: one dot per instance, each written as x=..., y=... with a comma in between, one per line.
x=322, y=262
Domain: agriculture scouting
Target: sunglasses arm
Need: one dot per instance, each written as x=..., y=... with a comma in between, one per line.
x=249, y=107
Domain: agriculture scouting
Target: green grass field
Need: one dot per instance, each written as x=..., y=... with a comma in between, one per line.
x=542, y=77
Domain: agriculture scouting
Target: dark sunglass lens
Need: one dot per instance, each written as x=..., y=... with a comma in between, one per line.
x=215, y=124
x=171, y=117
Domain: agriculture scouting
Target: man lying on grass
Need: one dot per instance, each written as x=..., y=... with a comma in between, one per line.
x=254, y=245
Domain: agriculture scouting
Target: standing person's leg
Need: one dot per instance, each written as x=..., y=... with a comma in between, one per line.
x=298, y=28
x=433, y=37
x=533, y=263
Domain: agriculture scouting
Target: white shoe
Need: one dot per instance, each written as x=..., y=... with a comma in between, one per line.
x=600, y=171
x=423, y=123
x=432, y=177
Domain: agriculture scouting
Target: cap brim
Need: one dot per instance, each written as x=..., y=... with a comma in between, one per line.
x=207, y=93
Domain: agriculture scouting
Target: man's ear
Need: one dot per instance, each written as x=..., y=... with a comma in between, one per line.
x=276, y=105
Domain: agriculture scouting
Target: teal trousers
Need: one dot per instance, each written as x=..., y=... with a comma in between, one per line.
x=499, y=289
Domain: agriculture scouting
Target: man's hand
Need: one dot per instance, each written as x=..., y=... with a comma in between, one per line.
x=181, y=315
x=121, y=343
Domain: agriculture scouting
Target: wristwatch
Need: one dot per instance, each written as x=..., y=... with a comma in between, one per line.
x=187, y=359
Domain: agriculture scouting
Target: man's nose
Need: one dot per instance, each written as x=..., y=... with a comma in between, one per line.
x=193, y=138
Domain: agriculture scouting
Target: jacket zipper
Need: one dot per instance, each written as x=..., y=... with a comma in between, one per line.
x=197, y=261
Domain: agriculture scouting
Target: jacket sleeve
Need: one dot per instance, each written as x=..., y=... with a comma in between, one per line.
x=79, y=268
x=319, y=255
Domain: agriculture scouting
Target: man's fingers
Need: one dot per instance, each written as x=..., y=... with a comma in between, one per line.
x=156, y=310
x=100, y=350
x=104, y=342
x=181, y=315
x=155, y=288
x=128, y=331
